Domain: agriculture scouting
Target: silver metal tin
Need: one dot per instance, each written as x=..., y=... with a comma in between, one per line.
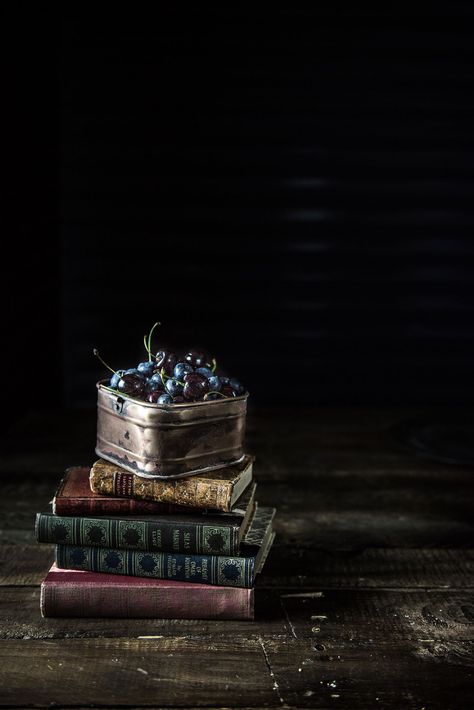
x=169, y=440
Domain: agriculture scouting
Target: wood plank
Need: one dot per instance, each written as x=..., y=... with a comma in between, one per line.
x=25, y=564
x=257, y=671
x=366, y=599
x=274, y=462
x=349, y=674
x=304, y=568
x=30, y=624
x=340, y=508
x=348, y=519
x=19, y=503
x=322, y=617
x=369, y=568
x=178, y=671
x=365, y=615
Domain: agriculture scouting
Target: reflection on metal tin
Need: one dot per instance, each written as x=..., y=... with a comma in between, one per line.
x=169, y=440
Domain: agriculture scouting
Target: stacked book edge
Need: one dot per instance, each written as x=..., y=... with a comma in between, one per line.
x=131, y=547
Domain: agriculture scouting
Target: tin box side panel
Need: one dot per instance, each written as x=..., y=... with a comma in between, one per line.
x=120, y=432
x=172, y=441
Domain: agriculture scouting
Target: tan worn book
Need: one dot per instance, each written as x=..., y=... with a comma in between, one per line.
x=218, y=489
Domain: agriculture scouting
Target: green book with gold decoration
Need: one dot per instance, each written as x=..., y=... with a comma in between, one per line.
x=222, y=570
x=217, y=534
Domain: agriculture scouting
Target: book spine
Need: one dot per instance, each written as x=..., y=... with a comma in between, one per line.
x=186, y=492
x=203, y=569
x=147, y=535
x=107, y=505
x=102, y=600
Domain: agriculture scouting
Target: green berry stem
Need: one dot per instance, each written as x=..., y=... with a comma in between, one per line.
x=168, y=377
x=96, y=353
x=148, y=346
x=163, y=375
x=214, y=392
x=214, y=364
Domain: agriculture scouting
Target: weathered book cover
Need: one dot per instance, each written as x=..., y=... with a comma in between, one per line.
x=217, y=489
x=75, y=497
x=198, y=534
x=221, y=570
x=74, y=593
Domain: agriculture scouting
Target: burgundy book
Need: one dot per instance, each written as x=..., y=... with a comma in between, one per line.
x=75, y=497
x=75, y=593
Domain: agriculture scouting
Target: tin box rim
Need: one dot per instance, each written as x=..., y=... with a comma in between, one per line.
x=185, y=474
x=154, y=405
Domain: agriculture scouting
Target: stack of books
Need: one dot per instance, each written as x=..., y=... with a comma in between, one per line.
x=132, y=547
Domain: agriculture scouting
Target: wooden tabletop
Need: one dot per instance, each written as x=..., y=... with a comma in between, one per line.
x=366, y=600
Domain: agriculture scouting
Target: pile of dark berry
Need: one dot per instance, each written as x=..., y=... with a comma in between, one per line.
x=166, y=378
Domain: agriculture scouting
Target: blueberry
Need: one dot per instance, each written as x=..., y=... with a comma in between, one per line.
x=215, y=383
x=156, y=378
x=146, y=368
x=114, y=380
x=173, y=387
x=181, y=369
x=206, y=371
x=154, y=385
x=132, y=371
x=212, y=395
x=164, y=399
x=236, y=386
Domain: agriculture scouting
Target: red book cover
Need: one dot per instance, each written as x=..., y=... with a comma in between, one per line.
x=75, y=497
x=76, y=593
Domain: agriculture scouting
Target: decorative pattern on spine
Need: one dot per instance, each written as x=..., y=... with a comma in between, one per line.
x=75, y=497
x=213, y=490
x=207, y=569
x=207, y=537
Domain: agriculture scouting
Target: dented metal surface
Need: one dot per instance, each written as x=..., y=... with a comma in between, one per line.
x=169, y=441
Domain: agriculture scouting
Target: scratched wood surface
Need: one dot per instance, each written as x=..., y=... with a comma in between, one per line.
x=366, y=600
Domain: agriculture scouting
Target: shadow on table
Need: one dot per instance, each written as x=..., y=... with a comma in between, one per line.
x=449, y=438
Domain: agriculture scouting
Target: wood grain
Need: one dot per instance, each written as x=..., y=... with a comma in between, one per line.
x=301, y=567
x=255, y=671
x=366, y=599
x=319, y=616
x=134, y=671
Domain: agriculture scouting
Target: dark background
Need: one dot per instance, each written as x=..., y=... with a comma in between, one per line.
x=291, y=190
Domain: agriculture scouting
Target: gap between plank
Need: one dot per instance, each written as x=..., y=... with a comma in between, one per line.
x=276, y=687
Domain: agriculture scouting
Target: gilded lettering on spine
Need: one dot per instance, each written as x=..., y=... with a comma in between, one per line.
x=107, y=479
x=211, y=569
